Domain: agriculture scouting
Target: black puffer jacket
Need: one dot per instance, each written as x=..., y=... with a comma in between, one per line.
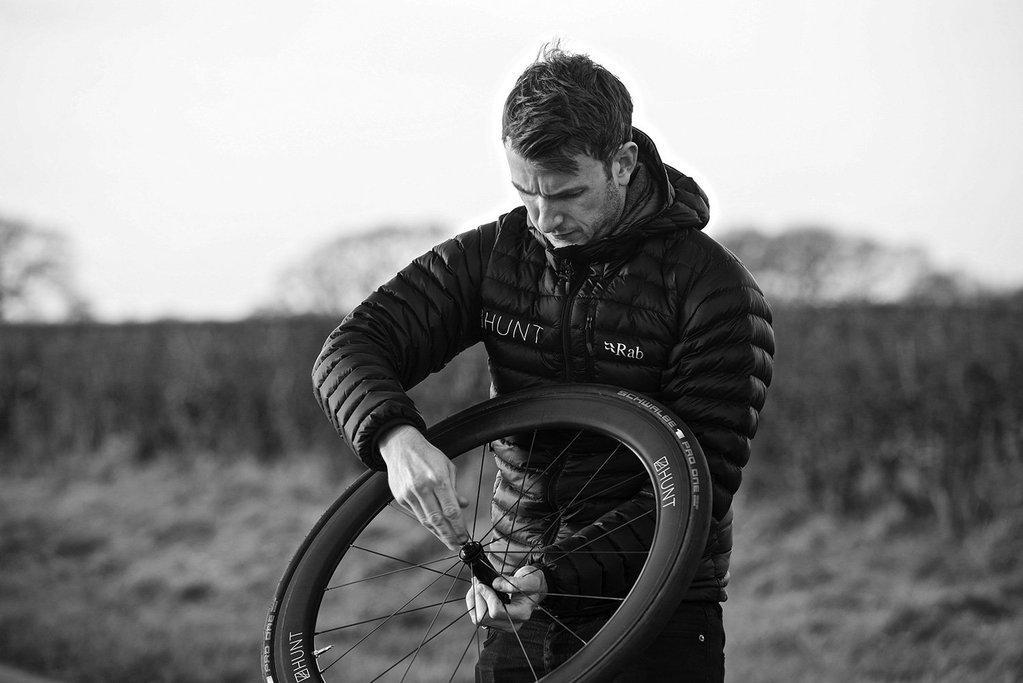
x=658, y=307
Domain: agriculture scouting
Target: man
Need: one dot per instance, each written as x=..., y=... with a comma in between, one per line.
x=606, y=272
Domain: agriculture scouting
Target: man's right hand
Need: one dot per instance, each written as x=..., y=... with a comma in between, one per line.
x=422, y=479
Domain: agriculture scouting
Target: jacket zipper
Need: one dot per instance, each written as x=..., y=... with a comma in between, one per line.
x=590, y=359
x=565, y=276
x=591, y=315
x=552, y=499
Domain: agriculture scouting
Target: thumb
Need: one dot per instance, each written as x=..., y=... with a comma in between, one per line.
x=463, y=501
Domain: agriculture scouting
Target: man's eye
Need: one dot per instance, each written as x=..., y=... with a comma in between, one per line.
x=568, y=195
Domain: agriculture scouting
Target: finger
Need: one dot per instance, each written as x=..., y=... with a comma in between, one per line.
x=411, y=503
x=499, y=621
x=495, y=608
x=479, y=603
x=514, y=584
x=499, y=625
x=440, y=519
x=508, y=621
x=470, y=602
x=526, y=580
x=433, y=519
x=523, y=599
x=428, y=521
x=525, y=571
x=404, y=505
x=452, y=511
x=503, y=584
x=481, y=608
x=475, y=606
x=404, y=498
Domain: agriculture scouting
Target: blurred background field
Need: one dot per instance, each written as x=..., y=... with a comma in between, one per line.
x=156, y=478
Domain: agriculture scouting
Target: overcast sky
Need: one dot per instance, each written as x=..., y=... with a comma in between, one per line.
x=193, y=149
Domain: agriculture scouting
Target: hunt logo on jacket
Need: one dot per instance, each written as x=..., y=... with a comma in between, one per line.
x=507, y=326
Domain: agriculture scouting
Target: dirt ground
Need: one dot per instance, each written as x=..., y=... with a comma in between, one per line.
x=163, y=572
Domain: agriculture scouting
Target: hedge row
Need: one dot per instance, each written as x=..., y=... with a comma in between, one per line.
x=916, y=406
x=176, y=386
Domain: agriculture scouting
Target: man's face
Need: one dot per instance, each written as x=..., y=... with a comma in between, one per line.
x=571, y=208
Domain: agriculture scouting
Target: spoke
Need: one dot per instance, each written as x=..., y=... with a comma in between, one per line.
x=478, y=650
x=537, y=605
x=560, y=623
x=411, y=652
x=395, y=506
x=393, y=571
x=411, y=564
x=479, y=486
x=610, y=552
x=597, y=538
x=432, y=622
x=595, y=473
x=576, y=595
x=589, y=597
x=540, y=520
x=540, y=526
x=529, y=456
x=381, y=624
x=521, y=646
x=638, y=475
x=386, y=616
x=475, y=634
x=538, y=478
x=557, y=519
x=544, y=518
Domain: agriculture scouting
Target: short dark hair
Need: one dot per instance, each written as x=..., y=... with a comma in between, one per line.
x=565, y=104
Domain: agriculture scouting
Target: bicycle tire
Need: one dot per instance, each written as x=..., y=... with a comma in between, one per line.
x=664, y=445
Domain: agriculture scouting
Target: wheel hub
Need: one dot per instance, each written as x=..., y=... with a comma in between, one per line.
x=471, y=552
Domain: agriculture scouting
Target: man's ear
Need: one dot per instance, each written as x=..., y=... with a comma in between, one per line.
x=623, y=165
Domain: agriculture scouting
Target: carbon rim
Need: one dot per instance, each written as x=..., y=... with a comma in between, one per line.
x=371, y=595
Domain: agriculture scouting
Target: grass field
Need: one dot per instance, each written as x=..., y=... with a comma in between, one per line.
x=163, y=572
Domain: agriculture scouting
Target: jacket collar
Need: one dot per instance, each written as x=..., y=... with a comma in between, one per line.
x=677, y=203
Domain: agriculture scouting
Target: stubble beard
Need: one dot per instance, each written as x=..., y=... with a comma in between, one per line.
x=614, y=204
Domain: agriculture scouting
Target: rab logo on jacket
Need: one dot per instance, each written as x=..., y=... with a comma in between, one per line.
x=506, y=326
x=624, y=350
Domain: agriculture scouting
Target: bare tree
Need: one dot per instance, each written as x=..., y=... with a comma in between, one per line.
x=336, y=276
x=35, y=275
x=815, y=264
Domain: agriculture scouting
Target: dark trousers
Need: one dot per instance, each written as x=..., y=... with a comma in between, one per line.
x=691, y=647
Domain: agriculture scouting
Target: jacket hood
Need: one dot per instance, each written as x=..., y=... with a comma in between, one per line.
x=680, y=204
x=680, y=192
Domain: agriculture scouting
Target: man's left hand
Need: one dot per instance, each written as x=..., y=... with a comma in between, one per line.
x=527, y=587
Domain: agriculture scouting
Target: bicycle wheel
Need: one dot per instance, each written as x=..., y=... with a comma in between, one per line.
x=371, y=595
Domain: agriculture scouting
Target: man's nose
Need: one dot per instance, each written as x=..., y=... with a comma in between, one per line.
x=547, y=219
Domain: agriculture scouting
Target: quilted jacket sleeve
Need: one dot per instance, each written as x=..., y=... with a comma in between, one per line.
x=720, y=369
x=716, y=381
x=408, y=328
